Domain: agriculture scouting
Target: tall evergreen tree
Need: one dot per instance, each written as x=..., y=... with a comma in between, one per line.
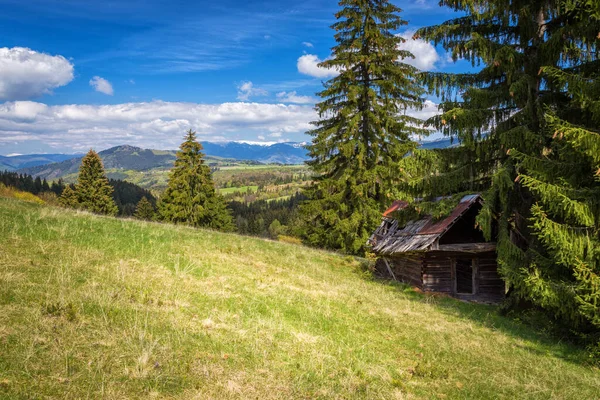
x=363, y=129
x=190, y=197
x=93, y=190
x=514, y=119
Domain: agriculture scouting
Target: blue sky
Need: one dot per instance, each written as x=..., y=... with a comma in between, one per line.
x=76, y=74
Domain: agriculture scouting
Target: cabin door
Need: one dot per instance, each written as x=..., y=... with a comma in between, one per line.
x=464, y=275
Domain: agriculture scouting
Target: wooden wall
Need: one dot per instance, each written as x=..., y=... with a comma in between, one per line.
x=491, y=286
x=437, y=273
x=433, y=272
x=408, y=268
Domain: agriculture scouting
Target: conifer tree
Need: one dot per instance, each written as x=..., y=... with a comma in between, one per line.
x=68, y=198
x=528, y=138
x=190, y=197
x=144, y=209
x=363, y=129
x=93, y=190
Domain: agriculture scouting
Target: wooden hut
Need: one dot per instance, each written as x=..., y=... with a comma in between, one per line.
x=448, y=255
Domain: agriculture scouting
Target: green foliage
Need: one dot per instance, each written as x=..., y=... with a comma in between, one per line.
x=68, y=198
x=363, y=131
x=144, y=210
x=527, y=123
x=276, y=229
x=190, y=197
x=93, y=190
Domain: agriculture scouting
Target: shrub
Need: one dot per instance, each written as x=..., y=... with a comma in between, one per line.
x=8, y=191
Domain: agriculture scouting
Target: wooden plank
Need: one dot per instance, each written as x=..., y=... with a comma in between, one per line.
x=387, y=264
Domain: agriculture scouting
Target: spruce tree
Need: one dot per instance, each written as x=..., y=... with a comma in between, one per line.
x=529, y=142
x=363, y=129
x=144, y=209
x=190, y=197
x=68, y=198
x=93, y=190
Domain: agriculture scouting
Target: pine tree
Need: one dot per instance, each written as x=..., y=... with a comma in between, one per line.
x=68, y=198
x=144, y=209
x=190, y=197
x=363, y=129
x=93, y=189
x=527, y=141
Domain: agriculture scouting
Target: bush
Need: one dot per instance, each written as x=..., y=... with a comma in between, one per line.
x=7, y=191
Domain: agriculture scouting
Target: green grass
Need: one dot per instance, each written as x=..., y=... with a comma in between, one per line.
x=242, y=189
x=94, y=307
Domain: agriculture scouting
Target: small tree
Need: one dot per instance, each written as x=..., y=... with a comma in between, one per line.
x=190, y=197
x=144, y=209
x=68, y=198
x=93, y=189
x=276, y=229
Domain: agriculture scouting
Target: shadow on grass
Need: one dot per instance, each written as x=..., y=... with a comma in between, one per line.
x=538, y=341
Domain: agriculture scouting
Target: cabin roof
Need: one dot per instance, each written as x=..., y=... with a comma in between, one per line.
x=417, y=235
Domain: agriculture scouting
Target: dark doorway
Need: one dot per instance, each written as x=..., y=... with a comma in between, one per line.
x=464, y=276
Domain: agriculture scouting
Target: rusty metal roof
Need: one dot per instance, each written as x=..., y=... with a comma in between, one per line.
x=418, y=235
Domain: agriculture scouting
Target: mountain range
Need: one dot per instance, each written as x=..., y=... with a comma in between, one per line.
x=54, y=166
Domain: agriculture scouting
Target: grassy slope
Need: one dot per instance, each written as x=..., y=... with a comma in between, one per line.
x=93, y=306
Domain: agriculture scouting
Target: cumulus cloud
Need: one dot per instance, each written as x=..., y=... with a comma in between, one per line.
x=154, y=124
x=293, y=97
x=425, y=54
x=308, y=65
x=247, y=90
x=102, y=85
x=25, y=73
x=430, y=109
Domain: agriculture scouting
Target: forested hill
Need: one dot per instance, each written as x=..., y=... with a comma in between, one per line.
x=120, y=157
x=138, y=159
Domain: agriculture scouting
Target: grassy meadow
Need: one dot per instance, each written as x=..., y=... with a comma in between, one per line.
x=96, y=307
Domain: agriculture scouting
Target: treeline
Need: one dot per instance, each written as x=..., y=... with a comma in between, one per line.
x=27, y=183
x=126, y=195
x=268, y=218
x=263, y=179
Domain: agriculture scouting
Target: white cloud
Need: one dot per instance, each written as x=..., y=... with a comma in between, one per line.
x=154, y=124
x=308, y=65
x=247, y=90
x=307, y=44
x=102, y=85
x=25, y=73
x=429, y=110
x=425, y=54
x=292, y=97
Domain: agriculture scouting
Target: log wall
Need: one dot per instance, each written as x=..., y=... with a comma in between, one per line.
x=434, y=272
x=491, y=287
x=408, y=268
x=437, y=275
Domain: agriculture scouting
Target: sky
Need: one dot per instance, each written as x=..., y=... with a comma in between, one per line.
x=81, y=74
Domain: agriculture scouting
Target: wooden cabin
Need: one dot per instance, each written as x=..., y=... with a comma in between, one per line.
x=449, y=255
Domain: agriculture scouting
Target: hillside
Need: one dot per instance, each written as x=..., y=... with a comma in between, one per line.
x=100, y=307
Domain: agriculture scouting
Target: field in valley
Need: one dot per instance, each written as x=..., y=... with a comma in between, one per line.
x=100, y=307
